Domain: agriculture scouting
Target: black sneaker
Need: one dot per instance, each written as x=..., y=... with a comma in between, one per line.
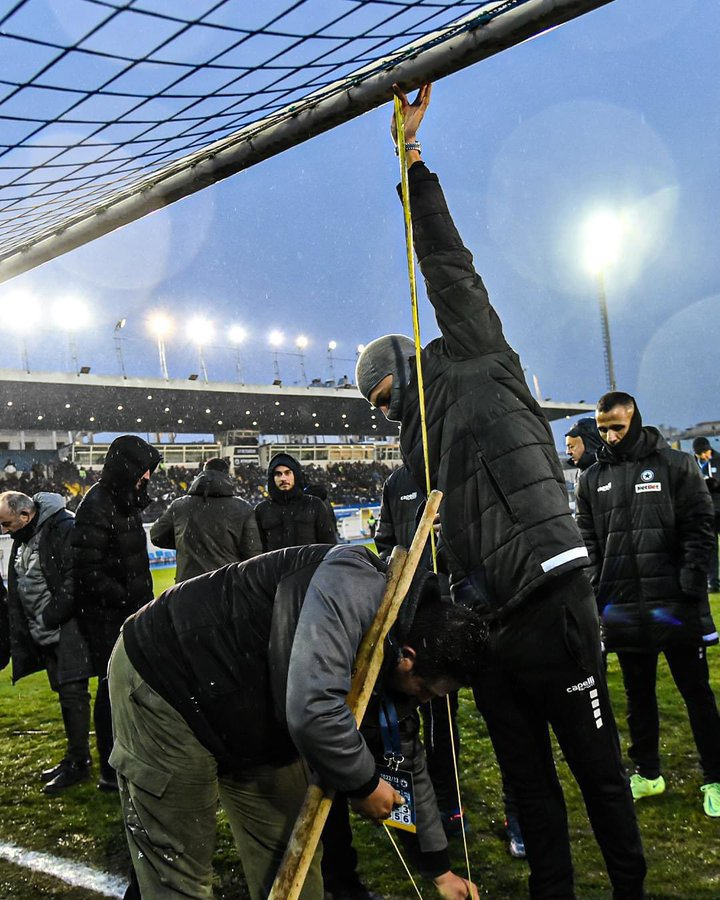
x=49, y=774
x=69, y=773
x=108, y=782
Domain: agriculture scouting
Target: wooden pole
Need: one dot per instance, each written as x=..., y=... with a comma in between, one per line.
x=313, y=813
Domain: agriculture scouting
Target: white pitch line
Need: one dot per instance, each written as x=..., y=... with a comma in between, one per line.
x=75, y=874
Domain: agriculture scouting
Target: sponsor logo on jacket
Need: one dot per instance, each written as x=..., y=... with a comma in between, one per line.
x=651, y=486
x=604, y=487
x=412, y=496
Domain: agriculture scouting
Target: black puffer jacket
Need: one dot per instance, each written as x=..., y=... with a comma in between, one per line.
x=506, y=524
x=292, y=518
x=209, y=527
x=52, y=529
x=112, y=569
x=647, y=523
x=257, y=657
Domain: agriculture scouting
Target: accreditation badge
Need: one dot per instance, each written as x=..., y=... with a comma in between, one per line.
x=402, y=817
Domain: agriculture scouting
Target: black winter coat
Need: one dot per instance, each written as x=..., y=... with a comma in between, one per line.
x=401, y=501
x=506, y=524
x=292, y=518
x=711, y=473
x=112, y=569
x=56, y=563
x=257, y=657
x=209, y=527
x=647, y=523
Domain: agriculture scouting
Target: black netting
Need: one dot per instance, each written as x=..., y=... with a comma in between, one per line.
x=97, y=95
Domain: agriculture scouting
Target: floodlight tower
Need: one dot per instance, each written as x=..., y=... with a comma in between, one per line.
x=301, y=343
x=71, y=314
x=24, y=320
x=119, y=325
x=160, y=326
x=200, y=330
x=276, y=338
x=238, y=335
x=332, y=345
x=603, y=234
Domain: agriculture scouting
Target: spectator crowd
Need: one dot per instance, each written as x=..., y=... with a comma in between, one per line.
x=346, y=484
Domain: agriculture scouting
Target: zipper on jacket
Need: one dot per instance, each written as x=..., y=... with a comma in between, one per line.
x=495, y=484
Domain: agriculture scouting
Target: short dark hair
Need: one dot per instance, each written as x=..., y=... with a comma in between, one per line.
x=701, y=445
x=615, y=398
x=216, y=464
x=448, y=639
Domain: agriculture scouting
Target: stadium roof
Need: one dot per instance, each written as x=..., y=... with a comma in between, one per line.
x=55, y=401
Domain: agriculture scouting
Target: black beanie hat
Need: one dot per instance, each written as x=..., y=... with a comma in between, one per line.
x=701, y=445
x=388, y=355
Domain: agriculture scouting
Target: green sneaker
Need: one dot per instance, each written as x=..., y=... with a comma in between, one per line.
x=648, y=787
x=711, y=803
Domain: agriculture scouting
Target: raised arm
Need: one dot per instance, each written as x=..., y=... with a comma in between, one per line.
x=466, y=318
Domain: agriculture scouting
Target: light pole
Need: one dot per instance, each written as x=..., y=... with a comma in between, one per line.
x=201, y=331
x=119, y=325
x=276, y=338
x=301, y=343
x=332, y=345
x=24, y=320
x=160, y=326
x=237, y=335
x=71, y=314
x=603, y=234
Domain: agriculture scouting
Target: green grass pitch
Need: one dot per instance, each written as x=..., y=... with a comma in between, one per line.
x=681, y=843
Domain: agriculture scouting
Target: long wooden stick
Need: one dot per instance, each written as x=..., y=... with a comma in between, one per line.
x=310, y=821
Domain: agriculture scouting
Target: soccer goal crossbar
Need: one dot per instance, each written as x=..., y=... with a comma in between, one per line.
x=484, y=32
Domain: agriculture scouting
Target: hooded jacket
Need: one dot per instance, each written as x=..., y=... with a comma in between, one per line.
x=646, y=518
x=710, y=470
x=40, y=594
x=586, y=429
x=112, y=569
x=506, y=524
x=209, y=527
x=257, y=657
x=292, y=518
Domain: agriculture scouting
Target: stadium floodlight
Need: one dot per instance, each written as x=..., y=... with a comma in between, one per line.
x=604, y=233
x=238, y=335
x=201, y=330
x=332, y=345
x=275, y=339
x=25, y=314
x=71, y=314
x=301, y=343
x=119, y=325
x=160, y=325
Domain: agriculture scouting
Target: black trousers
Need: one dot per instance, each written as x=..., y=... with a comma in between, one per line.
x=545, y=670
x=689, y=669
x=74, y=700
x=439, y=722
